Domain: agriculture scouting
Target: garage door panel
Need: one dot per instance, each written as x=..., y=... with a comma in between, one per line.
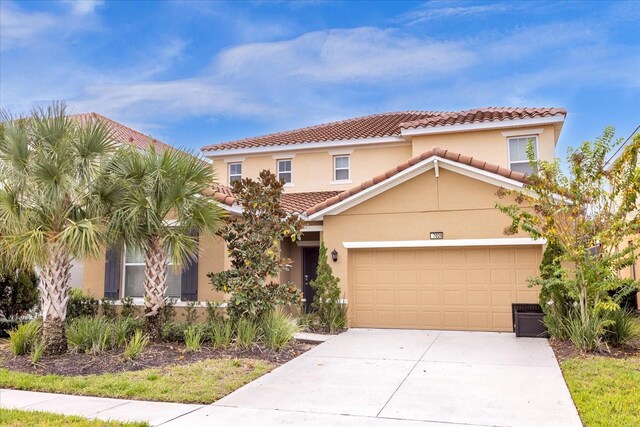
x=441, y=288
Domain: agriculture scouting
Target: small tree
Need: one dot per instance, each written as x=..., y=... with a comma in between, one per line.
x=327, y=286
x=588, y=214
x=253, y=244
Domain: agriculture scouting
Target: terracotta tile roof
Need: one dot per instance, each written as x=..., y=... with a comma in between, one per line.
x=384, y=125
x=290, y=202
x=445, y=154
x=124, y=134
x=483, y=115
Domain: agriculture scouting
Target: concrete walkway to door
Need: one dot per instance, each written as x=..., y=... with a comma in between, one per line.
x=371, y=377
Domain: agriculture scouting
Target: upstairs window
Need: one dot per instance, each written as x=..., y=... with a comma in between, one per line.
x=134, y=276
x=341, y=168
x=518, y=160
x=235, y=172
x=284, y=170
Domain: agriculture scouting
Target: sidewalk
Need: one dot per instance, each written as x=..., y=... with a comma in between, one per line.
x=155, y=413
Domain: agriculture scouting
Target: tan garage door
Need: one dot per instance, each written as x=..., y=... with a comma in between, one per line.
x=444, y=288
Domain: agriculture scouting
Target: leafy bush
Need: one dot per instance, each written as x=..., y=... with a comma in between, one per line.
x=278, y=329
x=18, y=294
x=124, y=329
x=168, y=311
x=193, y=338
x=128, y=309
x=253, y=244
x=37, y=351
x=585, y=334
x=212, y=312
x=173, y=332
x=247, y=332
x=90, y=334
x=8, y=325
x=221, y=333
x=191, y=315
x=327, y=287
x=108, y=308
x=336, y=318
x=81, y=305
x=25, y=337
x=136, y=345
x=623, y=328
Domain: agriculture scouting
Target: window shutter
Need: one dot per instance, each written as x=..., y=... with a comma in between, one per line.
x=112, y=273
x=189, y=281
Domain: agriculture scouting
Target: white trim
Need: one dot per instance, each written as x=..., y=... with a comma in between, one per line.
x=290, y=172
x=517, y=241
x=558, y=118
x=523, y=132
x=234, y=160
x=304, y=146
x=229, y=164
x=283, y=156
x=411, y=172
x=312, y=228
x=336, y=168
x=343, y=152
x=235, y=209
x=344, y=181
x=537, y=142
x=178, y=303
x=308, y=243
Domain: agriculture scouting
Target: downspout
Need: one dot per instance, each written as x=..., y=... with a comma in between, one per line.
x=437, y=168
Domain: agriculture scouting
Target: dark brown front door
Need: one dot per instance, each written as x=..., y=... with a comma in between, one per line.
x=309, y=272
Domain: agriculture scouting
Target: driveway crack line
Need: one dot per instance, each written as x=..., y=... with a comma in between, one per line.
x=407, y=376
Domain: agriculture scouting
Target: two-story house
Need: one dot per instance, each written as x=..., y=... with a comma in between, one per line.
x=405, y=203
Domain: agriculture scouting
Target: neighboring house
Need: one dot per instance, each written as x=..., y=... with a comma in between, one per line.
x=406, y=203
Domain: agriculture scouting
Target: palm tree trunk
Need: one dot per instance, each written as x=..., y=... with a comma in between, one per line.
x=54, y=295
x=155, y=285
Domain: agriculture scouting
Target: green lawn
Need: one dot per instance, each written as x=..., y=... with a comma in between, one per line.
x=18, y=418
x=200, y=382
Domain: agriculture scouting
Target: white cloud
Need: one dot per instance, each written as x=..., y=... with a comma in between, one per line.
x=83, y=7
x=433, y=10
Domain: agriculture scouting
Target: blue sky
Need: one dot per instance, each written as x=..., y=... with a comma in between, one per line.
x=196, y=73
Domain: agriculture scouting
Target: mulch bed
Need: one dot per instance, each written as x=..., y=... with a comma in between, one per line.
x=154, y=356
x=566, y=350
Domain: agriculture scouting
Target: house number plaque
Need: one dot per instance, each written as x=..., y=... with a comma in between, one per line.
x=436, y=235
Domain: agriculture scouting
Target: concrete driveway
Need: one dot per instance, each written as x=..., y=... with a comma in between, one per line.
x=405, y=378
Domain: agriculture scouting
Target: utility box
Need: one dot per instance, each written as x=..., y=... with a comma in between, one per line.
x=527, y=321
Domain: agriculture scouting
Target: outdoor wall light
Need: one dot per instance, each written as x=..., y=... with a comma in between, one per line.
x=334, y=255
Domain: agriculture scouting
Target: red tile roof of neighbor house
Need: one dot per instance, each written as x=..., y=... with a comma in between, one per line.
x=439, y=152
x=385, y=125
x=122, y=133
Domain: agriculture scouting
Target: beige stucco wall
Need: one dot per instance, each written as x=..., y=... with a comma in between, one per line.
x=488, y=145
x=312, y=170
x=459, y=206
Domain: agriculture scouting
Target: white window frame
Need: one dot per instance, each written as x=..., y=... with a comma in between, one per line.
x=229, y=171
x=335, y=169
x=290, y=171
x=537, y=144
x=125, y=264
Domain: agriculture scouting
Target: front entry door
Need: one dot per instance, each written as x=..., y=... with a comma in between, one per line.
x=309, y=273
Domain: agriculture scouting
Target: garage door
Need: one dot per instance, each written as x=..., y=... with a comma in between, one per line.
x=440, y=288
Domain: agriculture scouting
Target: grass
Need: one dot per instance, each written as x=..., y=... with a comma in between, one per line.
x=606, y=391
x=18, y=418
x=201, y=382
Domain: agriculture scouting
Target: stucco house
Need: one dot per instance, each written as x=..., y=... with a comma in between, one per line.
x=405, y=202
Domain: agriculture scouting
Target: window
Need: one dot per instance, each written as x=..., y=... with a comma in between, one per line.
x=235, y=172
x=134, y=276
x=284, y=170
x=341, y=168
x=518, y=160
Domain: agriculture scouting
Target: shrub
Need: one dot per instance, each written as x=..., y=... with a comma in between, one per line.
x=25, y=337
x=193, y=338
x=123, y=329
x=173, y=332
x=136, y=345
x=128, y=309
x=108, y=308
x=90, y=334
x=81, y=305
x=327, y=288
x=586, y=334
x=191, y=315
x=278, y=329
x=247, y=332
x=37, y=351
x=168, y=311
x=8, y=325
x=212, y=312
x=336, y=318
x=221, y=333
x=623, y=328
x=18, y=294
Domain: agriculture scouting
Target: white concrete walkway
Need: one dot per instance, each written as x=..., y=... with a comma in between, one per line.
x=372, y=378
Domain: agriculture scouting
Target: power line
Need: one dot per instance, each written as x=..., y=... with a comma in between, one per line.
x=621, y=146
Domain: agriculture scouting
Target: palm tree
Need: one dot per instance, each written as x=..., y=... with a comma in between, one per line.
x=161, y=214
x=53, y=201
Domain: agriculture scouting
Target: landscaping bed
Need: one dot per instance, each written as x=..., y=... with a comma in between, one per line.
x=154, y=356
